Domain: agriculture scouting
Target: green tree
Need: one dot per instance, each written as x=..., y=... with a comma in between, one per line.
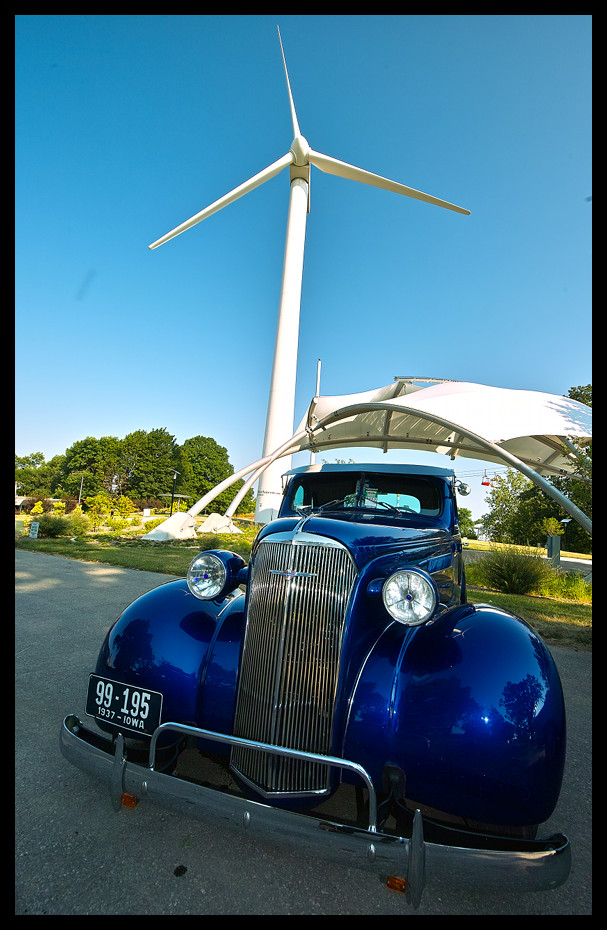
x=33, y=460
x=466, y=522
x=500, y=524
x=550, y=526
x=203, y=465
x=146, y=463
x=35, y=477
x=583, y=393
x=89, y=464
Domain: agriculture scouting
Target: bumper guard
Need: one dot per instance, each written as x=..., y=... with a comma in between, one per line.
x=498, y=863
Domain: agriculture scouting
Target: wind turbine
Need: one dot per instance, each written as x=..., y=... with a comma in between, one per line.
x=281, y=403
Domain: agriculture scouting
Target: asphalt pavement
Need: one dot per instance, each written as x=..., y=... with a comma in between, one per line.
x=75, y=855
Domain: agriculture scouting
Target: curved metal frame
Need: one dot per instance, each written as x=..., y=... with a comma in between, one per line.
x=294, y=444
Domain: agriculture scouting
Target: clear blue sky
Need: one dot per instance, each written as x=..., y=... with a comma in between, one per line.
x=128, y=125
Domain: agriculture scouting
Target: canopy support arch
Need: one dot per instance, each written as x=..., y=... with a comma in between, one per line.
x=537, y=426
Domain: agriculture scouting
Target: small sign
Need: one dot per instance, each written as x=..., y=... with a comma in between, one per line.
x=34, y=530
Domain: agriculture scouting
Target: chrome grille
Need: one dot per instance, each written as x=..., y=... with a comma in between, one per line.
x=298, y=594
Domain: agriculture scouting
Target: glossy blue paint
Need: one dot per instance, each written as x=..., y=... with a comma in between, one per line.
x=170, y=641
x=471, y=708
x=219, y=676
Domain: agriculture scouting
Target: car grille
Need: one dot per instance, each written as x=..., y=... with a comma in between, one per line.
x=298, y=595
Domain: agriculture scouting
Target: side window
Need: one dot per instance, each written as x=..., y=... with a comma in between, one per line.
x=298, y=497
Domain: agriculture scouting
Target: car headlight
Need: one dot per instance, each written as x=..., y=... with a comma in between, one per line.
x=410, y=597
x=207, y=576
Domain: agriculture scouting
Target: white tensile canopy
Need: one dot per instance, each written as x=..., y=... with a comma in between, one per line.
x=527, y=430
x=456, y=417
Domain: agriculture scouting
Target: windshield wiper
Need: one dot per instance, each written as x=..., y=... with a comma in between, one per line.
x=312, y=508
x=338, y=503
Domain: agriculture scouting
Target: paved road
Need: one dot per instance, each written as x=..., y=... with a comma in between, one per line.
x=75, y=855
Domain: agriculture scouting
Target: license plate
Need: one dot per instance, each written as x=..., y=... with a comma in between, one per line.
x=123, y=705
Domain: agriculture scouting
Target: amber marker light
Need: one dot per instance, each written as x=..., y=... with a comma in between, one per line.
x=394, y=883
x=129, y=800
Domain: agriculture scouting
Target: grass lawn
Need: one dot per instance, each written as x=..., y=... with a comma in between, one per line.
x=565, y=623
x=562, y=623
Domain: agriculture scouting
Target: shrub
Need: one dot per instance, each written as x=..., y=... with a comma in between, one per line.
x=117, y=524
x=78, y=523
x=124, y=506
x=570, y=586
x=50, y=525
x=98, y=506
x=152, y=524
x=513, y=571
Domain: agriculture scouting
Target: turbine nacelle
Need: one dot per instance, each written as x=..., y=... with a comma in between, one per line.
x=300, y=149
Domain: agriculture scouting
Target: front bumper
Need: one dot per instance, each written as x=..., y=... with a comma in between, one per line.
x=497, y=863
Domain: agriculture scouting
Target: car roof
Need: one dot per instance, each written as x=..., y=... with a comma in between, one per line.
x=374, y=468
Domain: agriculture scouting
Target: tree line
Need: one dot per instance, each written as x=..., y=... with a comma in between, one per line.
x=145, y=466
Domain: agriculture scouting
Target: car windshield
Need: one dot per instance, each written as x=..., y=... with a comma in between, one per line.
x=405, y=494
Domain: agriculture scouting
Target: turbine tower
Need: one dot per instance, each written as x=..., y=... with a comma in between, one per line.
x=281, y=403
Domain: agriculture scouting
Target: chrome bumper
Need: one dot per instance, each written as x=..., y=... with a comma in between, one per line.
x=535, y=866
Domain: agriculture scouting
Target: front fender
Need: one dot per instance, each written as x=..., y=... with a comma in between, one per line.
x=471, y=709
x=170, y=641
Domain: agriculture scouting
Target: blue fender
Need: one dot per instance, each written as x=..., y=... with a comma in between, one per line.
x=471, y=709
x=170, y=641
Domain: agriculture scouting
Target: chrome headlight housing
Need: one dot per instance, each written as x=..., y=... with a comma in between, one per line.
x=410, y=596
x=214, y=574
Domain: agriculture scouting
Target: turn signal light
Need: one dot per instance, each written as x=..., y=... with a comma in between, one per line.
x=396, y=884
x=129, y=800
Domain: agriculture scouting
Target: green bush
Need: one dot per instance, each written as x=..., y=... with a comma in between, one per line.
x=125, y=506
x=78, y=523
x=50, y=525
x=152, y=524
x=98, y=507
x=512, y=571
x=570, y=586
x=497, y=570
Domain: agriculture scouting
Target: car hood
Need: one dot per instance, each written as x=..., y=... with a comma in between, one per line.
x=367, y=541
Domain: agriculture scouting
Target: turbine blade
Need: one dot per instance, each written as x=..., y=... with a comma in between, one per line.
x=296, y=131
x=343, y=170
x=227, y=199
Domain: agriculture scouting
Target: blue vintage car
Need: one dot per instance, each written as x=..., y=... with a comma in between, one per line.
x=339, y=693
